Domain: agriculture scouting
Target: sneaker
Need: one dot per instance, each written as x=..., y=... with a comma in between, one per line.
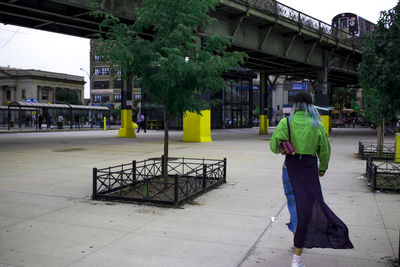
x=295, y=264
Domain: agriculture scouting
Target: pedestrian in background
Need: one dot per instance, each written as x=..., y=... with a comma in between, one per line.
x=317, y=225
x=40, y=121
x=141, y=123
x=60, y=121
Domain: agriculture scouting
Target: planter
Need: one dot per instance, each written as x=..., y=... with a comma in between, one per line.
x=383, y=175
x=142, y=181
x=370, y=150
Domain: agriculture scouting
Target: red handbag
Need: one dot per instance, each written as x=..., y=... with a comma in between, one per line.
x=286, y=147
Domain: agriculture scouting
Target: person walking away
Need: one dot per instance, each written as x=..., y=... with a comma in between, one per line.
x=398, y=125
x=317, y=225
x=77, y=121
x=60, y=121
x=142, y=123
x=40, y=121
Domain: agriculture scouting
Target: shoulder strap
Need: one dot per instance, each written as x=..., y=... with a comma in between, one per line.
x=288, y=128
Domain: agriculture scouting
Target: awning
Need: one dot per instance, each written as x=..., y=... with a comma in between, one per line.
x=55, y=106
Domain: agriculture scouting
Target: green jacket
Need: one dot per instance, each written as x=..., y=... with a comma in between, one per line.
x=305, y=139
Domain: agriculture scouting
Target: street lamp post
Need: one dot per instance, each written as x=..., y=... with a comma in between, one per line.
x=90, y=84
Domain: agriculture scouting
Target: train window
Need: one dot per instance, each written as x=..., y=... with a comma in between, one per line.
x=343, y=24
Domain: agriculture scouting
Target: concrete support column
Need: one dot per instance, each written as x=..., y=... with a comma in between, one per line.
x=126, y=130
x=197, y=128
x=264, y=123
x=322, y=97
x=323, y=81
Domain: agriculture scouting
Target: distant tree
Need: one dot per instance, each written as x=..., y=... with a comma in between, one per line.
x=65, y=95
x=379, y=71
x=168, y=52
x=343, y=96
x=116, y=112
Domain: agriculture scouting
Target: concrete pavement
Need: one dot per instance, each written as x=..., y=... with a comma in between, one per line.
x=48, y=219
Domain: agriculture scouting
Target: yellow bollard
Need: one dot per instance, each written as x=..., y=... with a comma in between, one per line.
x=126, y=130
x=397, y=148
x=264, y=124
x=105, y=124
x=326, y=121
x=197, y=128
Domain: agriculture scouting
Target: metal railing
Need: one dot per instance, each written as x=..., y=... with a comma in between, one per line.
x=370, y=150
x=384, y=176
x=295, y=17
x=142, y=181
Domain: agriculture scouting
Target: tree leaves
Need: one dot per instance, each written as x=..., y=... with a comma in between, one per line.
x=379, y=72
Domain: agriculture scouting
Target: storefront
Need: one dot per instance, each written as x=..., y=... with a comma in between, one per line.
x=231, y=107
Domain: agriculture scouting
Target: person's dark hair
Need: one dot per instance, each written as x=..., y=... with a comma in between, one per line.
x=303, y=97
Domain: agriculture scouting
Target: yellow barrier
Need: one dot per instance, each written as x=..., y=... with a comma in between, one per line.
x=326, y=120
x=197, y=128
x=126, y=130
x=264, y=124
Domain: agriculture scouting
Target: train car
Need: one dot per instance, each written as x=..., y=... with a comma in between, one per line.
x=352, y=24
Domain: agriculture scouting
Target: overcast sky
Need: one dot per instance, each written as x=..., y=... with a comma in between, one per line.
x=32, y=49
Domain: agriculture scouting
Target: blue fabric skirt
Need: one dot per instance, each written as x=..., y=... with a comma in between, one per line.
x=317, y=225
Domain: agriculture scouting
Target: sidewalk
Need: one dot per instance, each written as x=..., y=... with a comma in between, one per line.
x=48, y=219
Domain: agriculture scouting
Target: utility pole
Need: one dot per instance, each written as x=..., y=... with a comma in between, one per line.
x=90, y=84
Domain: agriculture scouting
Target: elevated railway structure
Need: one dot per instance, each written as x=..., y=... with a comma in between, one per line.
x=278, y=39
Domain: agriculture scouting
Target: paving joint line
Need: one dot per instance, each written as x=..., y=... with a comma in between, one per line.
x=252, y=248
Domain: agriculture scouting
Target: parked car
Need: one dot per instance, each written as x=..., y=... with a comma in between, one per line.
x=337, y=123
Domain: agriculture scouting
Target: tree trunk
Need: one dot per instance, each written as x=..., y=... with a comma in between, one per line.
x=165, y=161
x=380, y=138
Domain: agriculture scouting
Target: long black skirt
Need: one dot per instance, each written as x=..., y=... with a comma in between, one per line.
x=317, y=225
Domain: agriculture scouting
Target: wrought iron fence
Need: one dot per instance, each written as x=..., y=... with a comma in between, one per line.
x=300, y=19
x=370, y=150
x=383, y=175
x=143, y=181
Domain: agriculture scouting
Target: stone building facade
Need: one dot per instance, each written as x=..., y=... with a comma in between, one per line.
x=36, y=85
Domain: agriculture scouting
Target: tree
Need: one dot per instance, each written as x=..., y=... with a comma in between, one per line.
x=65, y=95
x=168, y=52
x=379, y=71
x=342, y=96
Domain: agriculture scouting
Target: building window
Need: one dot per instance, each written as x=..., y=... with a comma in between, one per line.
x=96, y=58
x=8, y=95
x=101, y=71
x=105, y=98
x=45, y=94
x=138, y=96
x=117, y=97
x=101, y=98
x=117, y=84
x=101, y=84
x=23, y=95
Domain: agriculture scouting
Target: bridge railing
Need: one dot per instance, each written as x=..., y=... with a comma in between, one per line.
x=300, y=19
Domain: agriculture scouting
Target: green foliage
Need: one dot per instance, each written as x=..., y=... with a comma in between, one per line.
x=256, y=111
x=65, y=95
x=343, y=96
x=178, y=63
x=116, y=112
x=379, y=72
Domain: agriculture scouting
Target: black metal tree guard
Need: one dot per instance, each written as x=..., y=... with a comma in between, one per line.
x=383, y=175
x=370, y=150
x=142, y=181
